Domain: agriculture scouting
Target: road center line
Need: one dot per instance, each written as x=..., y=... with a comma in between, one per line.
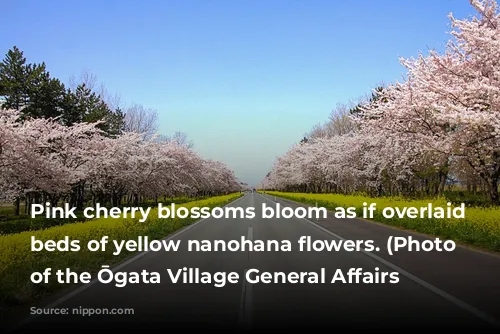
x=84, y=287
x=246, y=301
x=460, y=303
x=250, y=237
x=245, y=316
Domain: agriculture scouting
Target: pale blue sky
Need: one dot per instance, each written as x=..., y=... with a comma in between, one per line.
x=244, y=79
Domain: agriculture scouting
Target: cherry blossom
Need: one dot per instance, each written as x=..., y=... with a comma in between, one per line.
x=41, y=160
x=441, y=121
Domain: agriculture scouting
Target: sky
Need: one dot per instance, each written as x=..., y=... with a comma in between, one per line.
x=245, y=80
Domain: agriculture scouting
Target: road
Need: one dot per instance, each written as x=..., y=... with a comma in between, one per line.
x=458, y=290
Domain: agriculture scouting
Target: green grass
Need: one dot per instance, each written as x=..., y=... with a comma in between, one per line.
x=17, y=262
x=11, y=223
x=479, y=228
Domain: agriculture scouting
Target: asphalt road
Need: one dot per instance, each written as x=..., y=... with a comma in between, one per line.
x=458, y=290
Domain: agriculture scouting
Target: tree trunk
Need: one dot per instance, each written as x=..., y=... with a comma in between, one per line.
x=17, y=206
x=494, y=191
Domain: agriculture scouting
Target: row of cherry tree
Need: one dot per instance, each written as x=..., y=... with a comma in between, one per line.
x=412, y=137
x=42, y=160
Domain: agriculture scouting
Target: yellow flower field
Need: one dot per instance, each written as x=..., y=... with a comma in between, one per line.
x=480, y=227
x=17, y=261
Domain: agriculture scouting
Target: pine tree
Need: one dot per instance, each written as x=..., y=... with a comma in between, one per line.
x=14, y=80
x=29, y=87
x=84, y=105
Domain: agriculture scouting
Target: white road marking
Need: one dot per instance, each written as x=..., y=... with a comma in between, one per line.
x=250, y=237
x=246, y=301
x=460, y=303
x=114, y=269
x=246, y=306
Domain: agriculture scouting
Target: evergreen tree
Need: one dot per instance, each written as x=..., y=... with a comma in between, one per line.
x=29, y=87
x=46, y=97
x=84, y=105
x=14, y=80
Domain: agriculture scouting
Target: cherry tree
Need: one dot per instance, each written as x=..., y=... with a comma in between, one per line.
x=450, y=103
x=42, y=160
x=40, y=157
x=444, y=116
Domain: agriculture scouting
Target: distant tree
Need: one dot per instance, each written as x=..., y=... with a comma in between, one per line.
x=84, y=105
x=13, y=79
x=46, y=97
x=180, y=138
x=440, y=122
x=375, y=95
x=141, y=120
x=91, y=81
x=29, y=87
x=45, y=161
x=338, y=124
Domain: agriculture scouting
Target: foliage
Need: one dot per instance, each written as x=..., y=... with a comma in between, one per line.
x=30, y=88
x=42, y=160
x=10, y=223
x=439, y=126
x=17, y=262
x=480, y=227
